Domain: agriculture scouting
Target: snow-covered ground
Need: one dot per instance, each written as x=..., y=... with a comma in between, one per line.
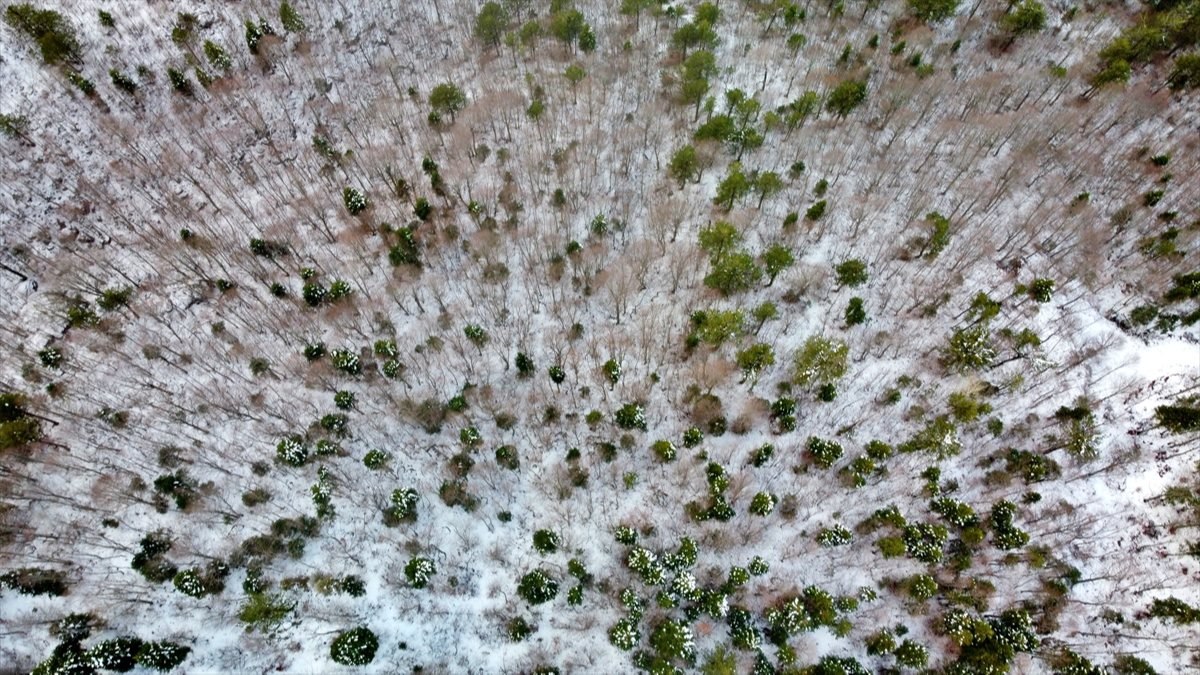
x=97, y=195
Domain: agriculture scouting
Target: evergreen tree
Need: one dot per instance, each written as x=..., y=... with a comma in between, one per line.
x=733, y=187
x=969, y=348
x=53, y=34
x=933, y=11
x=567, y=26
x=477, y=335
x=939, y=238
x=612, y=371
x=754, y=359
x=776, y=259
x=684, y=166
x=766, y=184
x=624, y=634
x=446, y=98
x=847, y=96
x=490, y=24
x=718, y=239
x=694, y=84
x=1177, y=419
x=574, y=74
x=216, y=55
x=631, y=416
x=735, y=273
x=545, y=541
x=17, y=426
x=1185, y=72
x=855, y=314
x=1027, y=16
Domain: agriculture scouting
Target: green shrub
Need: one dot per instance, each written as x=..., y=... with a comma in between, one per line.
x=53, y=34
x=290, y=18
x=545, y=541
x=354, y=647
x=911, y=655
x=1178, y=419
x=149, y=561
x=824, y=453
x=35, y=581
x=519, y=629
x=855, y=313
x=933, y=11
x=664, y=450
x=631, y=416
x=1027, y=16
x=376, y=459
x=354, y=200
x=264, y=611
x=624, y=635
x=82, y=83
x=762, y=455
x=123, y=82
x=836, y=535
x=180, y=82
x=1185, y=73
x=537, y=587
x=847, y=96
x=891, y=547
x=291, y=451
x=162, y=655
x=851, y=273
x=763, y=504
x=881, y=642
x=419, y=571
x=816, y=210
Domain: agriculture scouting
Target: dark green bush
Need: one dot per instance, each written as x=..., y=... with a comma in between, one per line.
x=537, y=587
x=162, y=655
x=354, y=647
x=50, y=30
x=35, y=581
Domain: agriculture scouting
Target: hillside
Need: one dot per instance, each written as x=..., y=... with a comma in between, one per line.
x=746, y=336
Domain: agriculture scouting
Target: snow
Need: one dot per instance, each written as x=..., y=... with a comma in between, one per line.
x=994, y=143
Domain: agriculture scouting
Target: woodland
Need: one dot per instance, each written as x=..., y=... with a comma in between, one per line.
x=818, y=337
